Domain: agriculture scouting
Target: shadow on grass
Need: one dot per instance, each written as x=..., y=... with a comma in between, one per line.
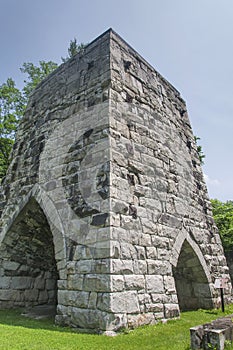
x=15, y=318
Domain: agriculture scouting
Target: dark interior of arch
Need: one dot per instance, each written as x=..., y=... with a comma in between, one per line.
x=191, y=282
x=28, y=267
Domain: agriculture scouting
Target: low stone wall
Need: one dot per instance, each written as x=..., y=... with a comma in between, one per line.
x=212, y=335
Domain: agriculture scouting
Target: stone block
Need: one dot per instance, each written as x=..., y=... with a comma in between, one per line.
x=103, y=302
x=97, y=283
x=84, y=318
x=154, y=284
x=84, y=266
x=62, y=309
x=119, y=207
x=21, y=282
x=169, y=284
x=5, y=282
x=114, y=322
x=73, y=298
x=62, y=284
x=31, y=294
x=75, y=282
x=140, y=267
x=124, y=302
x=99, y=220
x=149, y=307
x=10, y=265
x=114, y=249
x=157, y=297
x=43, y=297
x=163, y=254
x=102, y=250
x=171, y=310
x=144, y=240
x=39, y=283
x=141, y=253
x=151, y=253
x=128, y=251
x=96, y=319
x=148, y=226
x=122, y=266
x=170, y=220
x=160, y=242
x=144, y=298
x=158, y=267
x=50, y=284
x=141, y=319
x=129, y=223
x=8, y=295
x=62, y=273
x=102, y=266
x=135, y=282
x=117, y=283
x=52, y=296
x=212, y=335
x=92, y=302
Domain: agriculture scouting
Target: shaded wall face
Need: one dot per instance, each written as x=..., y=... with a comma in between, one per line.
x=63, y=150
x=229, y=258
x=29, y=273
x=77, y=181
x=192, y=286
x=75, y=86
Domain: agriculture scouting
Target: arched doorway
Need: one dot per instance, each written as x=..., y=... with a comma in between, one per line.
x=192, y=285
x=27, y=261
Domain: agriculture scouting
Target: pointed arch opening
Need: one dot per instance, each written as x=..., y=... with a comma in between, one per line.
x=28, y=267
x=191, y=282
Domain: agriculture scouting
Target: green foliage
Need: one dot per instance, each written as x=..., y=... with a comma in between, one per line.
x=13, y=101
x=35, y=74
x=201, y=155
x=223, y=216
x=73, y=49
x=12, y=106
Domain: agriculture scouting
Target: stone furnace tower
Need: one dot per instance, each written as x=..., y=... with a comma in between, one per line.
x=105, y=212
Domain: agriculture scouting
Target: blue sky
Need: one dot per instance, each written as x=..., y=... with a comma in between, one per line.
x=188, y=41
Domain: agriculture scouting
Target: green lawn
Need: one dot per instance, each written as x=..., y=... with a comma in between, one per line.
x=18, y=332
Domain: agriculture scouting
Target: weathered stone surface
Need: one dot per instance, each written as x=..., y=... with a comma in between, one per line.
x=154, y=284
x=5, y=282
x=104, y=209
x=21, y=282
x=212, y=335
x=135, y=282
x=125, y=302
x=171, y=310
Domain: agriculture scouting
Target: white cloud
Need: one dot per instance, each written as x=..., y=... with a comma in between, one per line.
x=209, y=181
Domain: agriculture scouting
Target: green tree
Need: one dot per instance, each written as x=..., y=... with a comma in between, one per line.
x=73, y=49
x=12, y=106
x=35, y=74
x=201, y=155
x=13, y=101
x=223, y=216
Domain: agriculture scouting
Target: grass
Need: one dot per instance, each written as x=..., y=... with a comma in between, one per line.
x=18, y=332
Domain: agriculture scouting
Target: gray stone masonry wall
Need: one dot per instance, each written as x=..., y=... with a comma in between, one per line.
x=159, y=200
x=229, y=258
x=106, y=187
